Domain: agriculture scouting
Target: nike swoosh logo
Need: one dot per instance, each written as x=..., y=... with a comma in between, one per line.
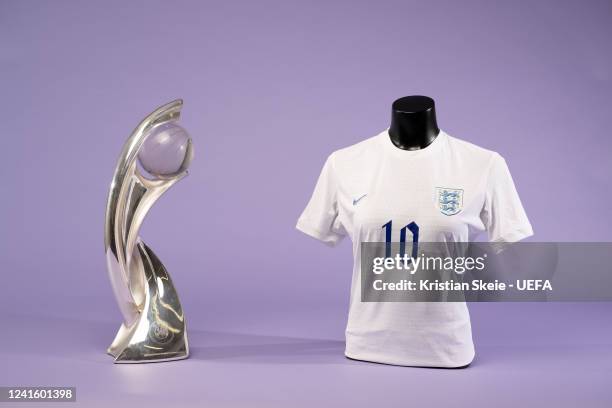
x=356, y=200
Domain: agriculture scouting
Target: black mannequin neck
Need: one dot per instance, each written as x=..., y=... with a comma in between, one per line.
x=413, y=122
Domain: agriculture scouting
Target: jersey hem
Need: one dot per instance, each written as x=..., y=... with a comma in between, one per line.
x=372, y=358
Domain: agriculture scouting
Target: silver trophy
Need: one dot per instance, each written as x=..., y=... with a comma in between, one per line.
x=154, y=157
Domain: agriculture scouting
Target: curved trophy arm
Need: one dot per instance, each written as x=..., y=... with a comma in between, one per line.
x=139, y=280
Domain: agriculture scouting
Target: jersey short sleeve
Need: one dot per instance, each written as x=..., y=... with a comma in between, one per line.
x=320, y=218
x=503, y=214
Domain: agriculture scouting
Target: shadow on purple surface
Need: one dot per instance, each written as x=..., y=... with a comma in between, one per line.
x=264, y=349
x=82, y=339
x=86, y=340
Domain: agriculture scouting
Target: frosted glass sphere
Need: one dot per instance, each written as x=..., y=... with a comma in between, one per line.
x=166, y=151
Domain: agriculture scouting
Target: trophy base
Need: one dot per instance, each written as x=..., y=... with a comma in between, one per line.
x=159, y=333
x=125, y=353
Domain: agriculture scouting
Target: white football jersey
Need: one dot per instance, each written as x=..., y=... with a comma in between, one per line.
x=452, y=190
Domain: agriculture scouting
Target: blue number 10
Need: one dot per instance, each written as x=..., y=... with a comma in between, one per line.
x=413, y=228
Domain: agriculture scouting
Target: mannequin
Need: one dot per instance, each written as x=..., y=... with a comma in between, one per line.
x=413, y=122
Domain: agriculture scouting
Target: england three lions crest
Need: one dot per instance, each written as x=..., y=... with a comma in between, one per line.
x=449, y=200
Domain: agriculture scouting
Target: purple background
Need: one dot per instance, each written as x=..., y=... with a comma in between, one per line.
x=270, y=89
